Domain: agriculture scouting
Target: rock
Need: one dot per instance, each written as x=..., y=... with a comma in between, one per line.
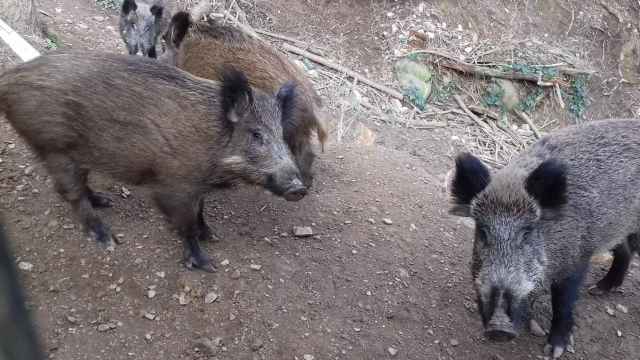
x=302, y=231
x=148, y=337
x=224, y=262
x=255, y=267
x=29, y=170
x=454, y=342
x=25, y=266
x=257, y=345
x=206, y=346
x=149, y=316
x=610, y=310
x=106, y=327
x=371, y=221
x=235, y=275
x=183, y=299
x=68, y=226
x=210, y=297
x=98, y=18
x=308, y=357
x=124, y=192
x=53, y=224
x=619, y=333
x=623, y=309
x=161, y=274
x=392, y=351
x=387, y=221
x=151, y=294
x=72, y=319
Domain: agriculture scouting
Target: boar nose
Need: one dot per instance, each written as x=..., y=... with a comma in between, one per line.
x=500, y=327
x=296, y=190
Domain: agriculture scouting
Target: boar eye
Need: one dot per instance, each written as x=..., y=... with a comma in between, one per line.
x=257, y=136
x=482, y=234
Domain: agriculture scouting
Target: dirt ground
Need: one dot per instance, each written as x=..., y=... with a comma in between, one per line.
x=361, y=287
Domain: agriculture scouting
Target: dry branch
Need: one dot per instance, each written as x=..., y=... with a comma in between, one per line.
x=306, y=46
x=470, y=114
x=328, y=63
x=529, y=122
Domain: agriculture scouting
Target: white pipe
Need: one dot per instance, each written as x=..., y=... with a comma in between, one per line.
x=20, y=46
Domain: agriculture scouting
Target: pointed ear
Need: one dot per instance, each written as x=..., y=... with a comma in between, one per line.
x=129, y=6
x=178, y=28
x=548, y=184
x=286, y=98
x=156, y=10
x=470, y=178
x=237, y=95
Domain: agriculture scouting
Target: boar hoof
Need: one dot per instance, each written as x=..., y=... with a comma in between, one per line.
x=200, y=262
x=100, y=200
x=102, y=234
x=557, y=347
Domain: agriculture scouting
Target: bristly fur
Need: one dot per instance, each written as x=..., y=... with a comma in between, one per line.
x=128, y=6
x=178, y=29
x=235, y=87
x=548, y=184
x=471, y=177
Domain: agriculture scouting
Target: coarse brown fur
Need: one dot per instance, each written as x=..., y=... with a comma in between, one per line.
x=204, y=48
x=146, y=123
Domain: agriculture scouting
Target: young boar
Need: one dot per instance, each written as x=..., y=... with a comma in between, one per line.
x=141, y=24
x=540, y=219
x=18, y=337
x=204, y=48
x=146, y=123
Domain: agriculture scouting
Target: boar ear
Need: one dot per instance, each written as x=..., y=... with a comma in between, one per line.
x=178, y=28
x=286, y=98
x=548, y=184
x=156, y=10
x=236, y=93
x=129, y=6
x=470, y=178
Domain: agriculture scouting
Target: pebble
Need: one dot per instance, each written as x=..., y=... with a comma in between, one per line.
x=371, y=221
x=536, y=329
x=454, y=342
x=610, y=310
x=302, y=231
x=255, y=267
x=619, y=333
x=161, y=274
x=392, y=351
x=183, y=299
x=387, y=221
x=224, y=262
x=29, y=170
x=211, y=297
x=235, y=274
x=25, y=266
x=257, y=345
x=151, y=294
x=72, y=319
x=308, y=357
x=207, y=346
x=148, y=337
x=106, y=327
x=98, y=18
x=149, y=316
x=623, y=309
x=68, y=226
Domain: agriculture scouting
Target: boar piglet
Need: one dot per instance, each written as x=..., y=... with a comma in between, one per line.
x=146, y=123
x=540, y=219
x=18, y=337
x=141, y=24
x=203, y=48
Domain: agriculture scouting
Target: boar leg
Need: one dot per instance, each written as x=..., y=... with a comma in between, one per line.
x=206, y=234
x=183, y=212
x=304, y=160
x=564, y=294
x=71, y=183
x=618, y=271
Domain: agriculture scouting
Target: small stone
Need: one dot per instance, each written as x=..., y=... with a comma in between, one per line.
x=106, y=327
x=387, y=221
x=25, y=266
x=68, y=226
x=536, y=329
x=29, y=170
x=610, y=310
x=454, y=342
x=623, y=309
x=619, y=333
x=161, y=274
x=149, y=316
x=183, y=299
x=53, y=224
x=371, y=221
x=124, y=192
x=255, y=267
x=392, y=351
x=151, y=294
x=224, y=262
x=235, y=274
x=98, y=18
x=302, y=231
x=308, y=357
x=148, y=337
x=210, y=298
x=257, y=345
x=207, y=346
x=72, y=319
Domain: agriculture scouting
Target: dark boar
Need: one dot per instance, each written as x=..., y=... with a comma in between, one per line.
x=204, y=48
x=141, y=24
x=146, y=123
x=540, y=219
x=18, y=337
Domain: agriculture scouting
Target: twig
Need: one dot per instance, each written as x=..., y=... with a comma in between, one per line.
x=323, y=61
x=44, y=13
x=17, y=43
x=242, y=27
x=311, y=48
x=559, y=95
x=470, y=114
x=529, y=122
x=482, y=71
x=611, y=10
x=483, y=111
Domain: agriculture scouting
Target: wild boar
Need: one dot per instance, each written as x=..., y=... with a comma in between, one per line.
x=204, y=48
x=147, y=123
x=540, y=219
x=141, y=24
x=18, y=337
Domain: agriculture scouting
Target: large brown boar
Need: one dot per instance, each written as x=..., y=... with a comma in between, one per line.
x=147, y=123
x=205, y=48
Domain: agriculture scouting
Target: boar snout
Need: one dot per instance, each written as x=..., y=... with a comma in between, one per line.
x=287, y=184
x=500, y=328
